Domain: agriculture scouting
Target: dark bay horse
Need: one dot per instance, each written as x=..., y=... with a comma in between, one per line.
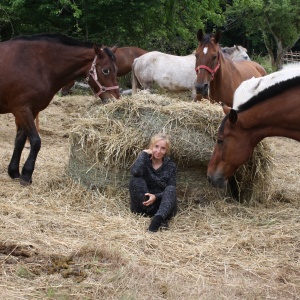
x=263, y=107
x=218, y=76
x=124, y=60
x=33, y=69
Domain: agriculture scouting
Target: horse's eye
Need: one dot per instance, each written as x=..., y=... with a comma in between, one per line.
x=219, y=141
x=105, y=71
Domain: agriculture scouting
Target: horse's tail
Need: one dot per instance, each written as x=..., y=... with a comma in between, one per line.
x=134, y=81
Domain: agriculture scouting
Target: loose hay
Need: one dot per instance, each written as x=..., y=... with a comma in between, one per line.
x=106, y=141
x=100, y=250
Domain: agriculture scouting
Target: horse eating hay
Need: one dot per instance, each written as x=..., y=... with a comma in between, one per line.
x=263, y=107
x=217, y=76
x=33, y=59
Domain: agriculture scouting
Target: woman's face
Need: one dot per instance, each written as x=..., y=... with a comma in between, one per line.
x=159, y=149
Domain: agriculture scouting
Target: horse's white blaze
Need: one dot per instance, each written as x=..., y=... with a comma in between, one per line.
x=205, y=50
x=253, y=86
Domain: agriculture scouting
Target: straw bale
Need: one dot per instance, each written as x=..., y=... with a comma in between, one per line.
x=106, y=140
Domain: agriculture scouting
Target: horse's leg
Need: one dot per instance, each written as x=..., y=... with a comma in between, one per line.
x=37, y=125
x=14, y=165
x=27, y=128
x=35, y=146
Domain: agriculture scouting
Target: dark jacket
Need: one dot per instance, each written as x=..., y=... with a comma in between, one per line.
x=157, y=180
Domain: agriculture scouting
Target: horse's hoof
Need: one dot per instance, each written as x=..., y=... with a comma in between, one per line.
x=14, y=175
x=24, y=182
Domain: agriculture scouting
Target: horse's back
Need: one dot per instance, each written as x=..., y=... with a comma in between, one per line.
x=171, y=72
x=250, y=68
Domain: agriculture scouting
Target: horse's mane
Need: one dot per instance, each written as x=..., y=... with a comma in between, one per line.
x=269, y=92
x=222, y=126
x=109, y=53
x=55, y=38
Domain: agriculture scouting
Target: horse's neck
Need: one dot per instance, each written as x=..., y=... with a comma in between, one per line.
x=76, y=63
x=272, y=117
x=223, y=86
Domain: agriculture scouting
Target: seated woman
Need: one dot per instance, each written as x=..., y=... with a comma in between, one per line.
x=153, y=184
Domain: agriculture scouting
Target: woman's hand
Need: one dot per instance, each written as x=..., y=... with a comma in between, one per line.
x=148, y=151
x=151, y=199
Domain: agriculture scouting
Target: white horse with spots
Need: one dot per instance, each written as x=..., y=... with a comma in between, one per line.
x=172, y=73
x=236, y=53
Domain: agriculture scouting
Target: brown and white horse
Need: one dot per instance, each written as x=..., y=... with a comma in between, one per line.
x=218, y=76
x=263, y=107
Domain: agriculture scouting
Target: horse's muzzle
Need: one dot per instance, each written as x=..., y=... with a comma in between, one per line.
x=202, y=89
x=217, y=181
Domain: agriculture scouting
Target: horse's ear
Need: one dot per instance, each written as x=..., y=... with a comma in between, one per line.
x=218, y=36
x=226, y=109
x=200, y=35
x=232, y=116
x=114, y=49
x=97, y=50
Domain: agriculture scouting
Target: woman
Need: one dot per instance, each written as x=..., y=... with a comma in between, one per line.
x=153, y=184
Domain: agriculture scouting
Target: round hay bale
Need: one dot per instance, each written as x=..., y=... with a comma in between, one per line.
x=107, y=139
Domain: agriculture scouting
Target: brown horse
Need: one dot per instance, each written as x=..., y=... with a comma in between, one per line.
x=124, y=60
x=218, y=76
x=271, y=108
x=33, y=69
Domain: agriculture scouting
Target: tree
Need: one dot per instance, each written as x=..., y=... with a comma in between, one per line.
x=277, y=21
x=19, y=17
x=165, y=25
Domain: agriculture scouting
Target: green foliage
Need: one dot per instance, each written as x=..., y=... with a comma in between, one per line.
x=272, y=26
x=165, y=25
x=264, y=61
x=276, y=22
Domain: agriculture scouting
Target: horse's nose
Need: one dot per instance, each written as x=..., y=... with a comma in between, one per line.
x=202, y=88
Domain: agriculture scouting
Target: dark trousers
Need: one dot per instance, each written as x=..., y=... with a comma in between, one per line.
x=165, y=207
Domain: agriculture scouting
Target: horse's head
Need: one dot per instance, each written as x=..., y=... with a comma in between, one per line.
x=103, y=74
x=232, y=149
x=235, y=53
x=207, y=61
x=240, y=53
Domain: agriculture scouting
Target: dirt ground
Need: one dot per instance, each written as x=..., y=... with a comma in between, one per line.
x=62, y=241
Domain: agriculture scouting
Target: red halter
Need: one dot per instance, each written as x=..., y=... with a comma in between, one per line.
x=212, y=72
x=93, y=73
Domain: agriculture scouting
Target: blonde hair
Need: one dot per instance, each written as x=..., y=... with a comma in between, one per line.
x=161, y=136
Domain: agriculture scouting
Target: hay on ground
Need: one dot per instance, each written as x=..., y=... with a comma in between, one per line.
x=107, y=139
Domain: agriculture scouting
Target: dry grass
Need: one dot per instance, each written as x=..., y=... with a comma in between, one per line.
x=60, y=240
